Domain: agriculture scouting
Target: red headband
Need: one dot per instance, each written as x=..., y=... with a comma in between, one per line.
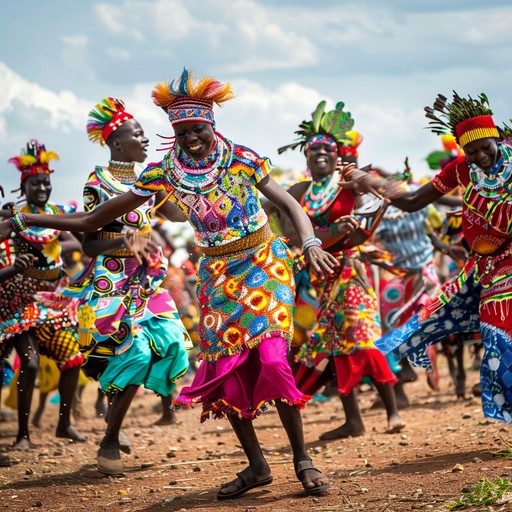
x=117, y=120
x=474, y=128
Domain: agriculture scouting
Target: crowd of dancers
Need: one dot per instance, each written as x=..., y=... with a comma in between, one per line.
x=331, y=283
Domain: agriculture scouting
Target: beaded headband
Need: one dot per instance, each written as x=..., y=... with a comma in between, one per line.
x=34, y=159
x=190, y=109
x=321, y=139
x=105, y=118
x=189, y=99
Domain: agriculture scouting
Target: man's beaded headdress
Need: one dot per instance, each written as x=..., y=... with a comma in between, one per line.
x=105, y=118
x=186, y=99
x=34, y=159
x=334, y=125
x=468, y=119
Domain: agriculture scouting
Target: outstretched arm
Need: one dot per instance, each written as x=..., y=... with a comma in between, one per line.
x=417, y=199
x=320, y=261
x=82, y=221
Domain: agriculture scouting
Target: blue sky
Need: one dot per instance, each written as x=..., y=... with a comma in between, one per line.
x=385, y=59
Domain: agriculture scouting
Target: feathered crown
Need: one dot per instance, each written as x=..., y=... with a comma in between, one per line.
x=467, y=119
x=33, y=159
x=335, y=124
x=186, y=99
x=106, y=117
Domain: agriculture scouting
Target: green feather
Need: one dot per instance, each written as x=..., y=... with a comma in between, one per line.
x=317, y=116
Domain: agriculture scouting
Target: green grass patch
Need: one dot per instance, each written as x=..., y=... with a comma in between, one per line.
x=485, y=493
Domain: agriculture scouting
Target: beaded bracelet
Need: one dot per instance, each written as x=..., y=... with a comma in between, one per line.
x=18, y=222
x=311, y=242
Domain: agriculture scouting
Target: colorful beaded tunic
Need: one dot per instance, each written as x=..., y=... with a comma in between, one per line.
x=247, y=296
x=19, y=309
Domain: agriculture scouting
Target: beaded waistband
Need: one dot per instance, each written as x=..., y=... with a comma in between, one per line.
x=44, y=275
x=112, y=235
x=242, y=244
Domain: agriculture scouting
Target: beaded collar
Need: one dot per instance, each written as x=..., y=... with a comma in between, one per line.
x=321, y=194
x=198, y=176
x=123, y=171
x=496, y=182
x=38, y=235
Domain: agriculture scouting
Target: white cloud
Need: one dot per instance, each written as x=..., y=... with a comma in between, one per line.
x=77, y=40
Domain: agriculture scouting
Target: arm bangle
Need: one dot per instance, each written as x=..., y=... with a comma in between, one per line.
x=310, y=242
x=18, y=222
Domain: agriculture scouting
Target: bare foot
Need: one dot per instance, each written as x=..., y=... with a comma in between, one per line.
x=22, y=443
x=166, y=420
x=395, y=424
x=36, y=419
x=69, y=432
x=343, y=432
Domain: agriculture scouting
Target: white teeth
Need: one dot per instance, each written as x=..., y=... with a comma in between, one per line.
x=194, y=148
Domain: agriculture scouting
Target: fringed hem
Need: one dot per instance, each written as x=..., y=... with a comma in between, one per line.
x=253, y=343
x=221, y=408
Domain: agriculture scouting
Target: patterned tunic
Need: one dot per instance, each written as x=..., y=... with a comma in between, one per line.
x=245, y=297
x=28, y=300
x=118, y=297
x=480, y=297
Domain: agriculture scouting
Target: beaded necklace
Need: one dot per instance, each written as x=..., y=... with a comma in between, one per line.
x=321, y=194
x=198, y=176
x=123, y=171
x=496, y=182
x=38, y=235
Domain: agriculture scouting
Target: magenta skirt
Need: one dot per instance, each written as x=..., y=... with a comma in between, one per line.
x=244, y=384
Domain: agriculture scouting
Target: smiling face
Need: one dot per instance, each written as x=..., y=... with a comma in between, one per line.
x=195, y=138
x=37, y=189
x=482, y=152
x=322, y=159
x=128, y=143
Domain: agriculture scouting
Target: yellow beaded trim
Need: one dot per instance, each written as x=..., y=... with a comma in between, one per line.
x=478, y=133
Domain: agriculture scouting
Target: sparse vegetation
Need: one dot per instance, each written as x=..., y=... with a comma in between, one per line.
x=485, y=493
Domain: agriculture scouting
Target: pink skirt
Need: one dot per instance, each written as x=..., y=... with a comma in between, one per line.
x=245, y=383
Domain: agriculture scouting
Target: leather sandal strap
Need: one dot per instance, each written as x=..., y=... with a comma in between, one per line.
x=302, y=465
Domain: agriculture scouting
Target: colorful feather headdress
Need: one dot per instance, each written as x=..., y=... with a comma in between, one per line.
x=335, y=124
x=33, y=159
x=186, y=99
x=105, y=118
x=468, y=119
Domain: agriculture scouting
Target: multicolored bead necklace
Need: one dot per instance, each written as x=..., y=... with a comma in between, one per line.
x=123, y=171
x=321, y=194
x=198, y=176
x=496, y=182
x=37, y=235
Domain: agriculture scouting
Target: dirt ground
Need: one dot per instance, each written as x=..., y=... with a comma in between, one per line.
x=446, y=448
